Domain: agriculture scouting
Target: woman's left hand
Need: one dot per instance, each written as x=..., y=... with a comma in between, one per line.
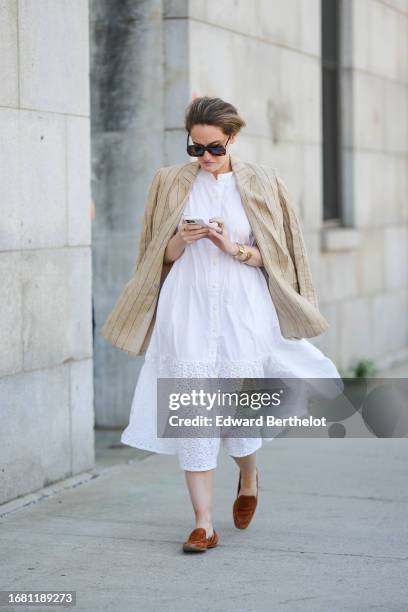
x=219, y=236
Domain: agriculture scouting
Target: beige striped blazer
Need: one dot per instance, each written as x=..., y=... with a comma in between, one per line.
x=277, y=234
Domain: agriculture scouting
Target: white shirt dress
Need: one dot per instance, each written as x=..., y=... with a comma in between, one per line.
x=215, y=318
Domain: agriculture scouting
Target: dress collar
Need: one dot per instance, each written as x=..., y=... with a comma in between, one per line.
x=242, y=171
x=223, y=177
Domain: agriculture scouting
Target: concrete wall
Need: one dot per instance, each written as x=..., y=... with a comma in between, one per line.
x=46, y=384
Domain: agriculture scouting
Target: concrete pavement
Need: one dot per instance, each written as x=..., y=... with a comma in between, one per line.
x=329, y=534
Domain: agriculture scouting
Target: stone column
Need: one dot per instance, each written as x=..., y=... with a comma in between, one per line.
x=127, y=148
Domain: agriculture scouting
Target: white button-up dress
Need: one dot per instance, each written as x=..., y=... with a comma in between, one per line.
x=215, y=318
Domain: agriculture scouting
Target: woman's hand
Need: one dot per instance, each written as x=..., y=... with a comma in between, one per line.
x=220, y=237
x=191, y=232
x=187, y=234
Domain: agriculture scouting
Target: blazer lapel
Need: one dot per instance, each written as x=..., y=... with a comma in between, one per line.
x=183, y=186
x=259, y=209
x=262, y=211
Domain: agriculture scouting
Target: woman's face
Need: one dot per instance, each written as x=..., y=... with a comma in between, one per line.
x=212, y=134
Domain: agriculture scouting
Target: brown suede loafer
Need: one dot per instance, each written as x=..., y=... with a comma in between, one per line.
x=198, y=541
x=244, y=506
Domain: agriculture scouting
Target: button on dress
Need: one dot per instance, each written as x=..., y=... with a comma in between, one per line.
x=215, y=318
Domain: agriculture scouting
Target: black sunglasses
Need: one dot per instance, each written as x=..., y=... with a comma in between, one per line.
x=198, y=150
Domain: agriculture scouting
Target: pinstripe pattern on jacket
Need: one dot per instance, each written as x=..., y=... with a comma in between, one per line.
x=277, y=233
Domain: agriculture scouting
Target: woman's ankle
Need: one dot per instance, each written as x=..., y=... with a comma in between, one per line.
x=248, y=483
x=205, y=523
x=248, y=478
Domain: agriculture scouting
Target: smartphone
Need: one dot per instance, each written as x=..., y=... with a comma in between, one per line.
x=191, y=220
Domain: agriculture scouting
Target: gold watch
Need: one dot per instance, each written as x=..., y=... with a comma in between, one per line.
x=241, y=250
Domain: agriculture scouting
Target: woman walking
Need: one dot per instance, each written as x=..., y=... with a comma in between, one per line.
x=231, y=298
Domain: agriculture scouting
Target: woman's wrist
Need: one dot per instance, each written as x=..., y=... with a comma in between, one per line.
x=175, y=248
x=242, y=252
x=179, y=240
x=234, y=248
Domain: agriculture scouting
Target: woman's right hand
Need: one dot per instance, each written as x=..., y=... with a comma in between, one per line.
x=186, y=234
x=191, y=232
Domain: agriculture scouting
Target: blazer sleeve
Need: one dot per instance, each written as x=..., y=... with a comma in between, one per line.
x=296, y=244
x=146, y=232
